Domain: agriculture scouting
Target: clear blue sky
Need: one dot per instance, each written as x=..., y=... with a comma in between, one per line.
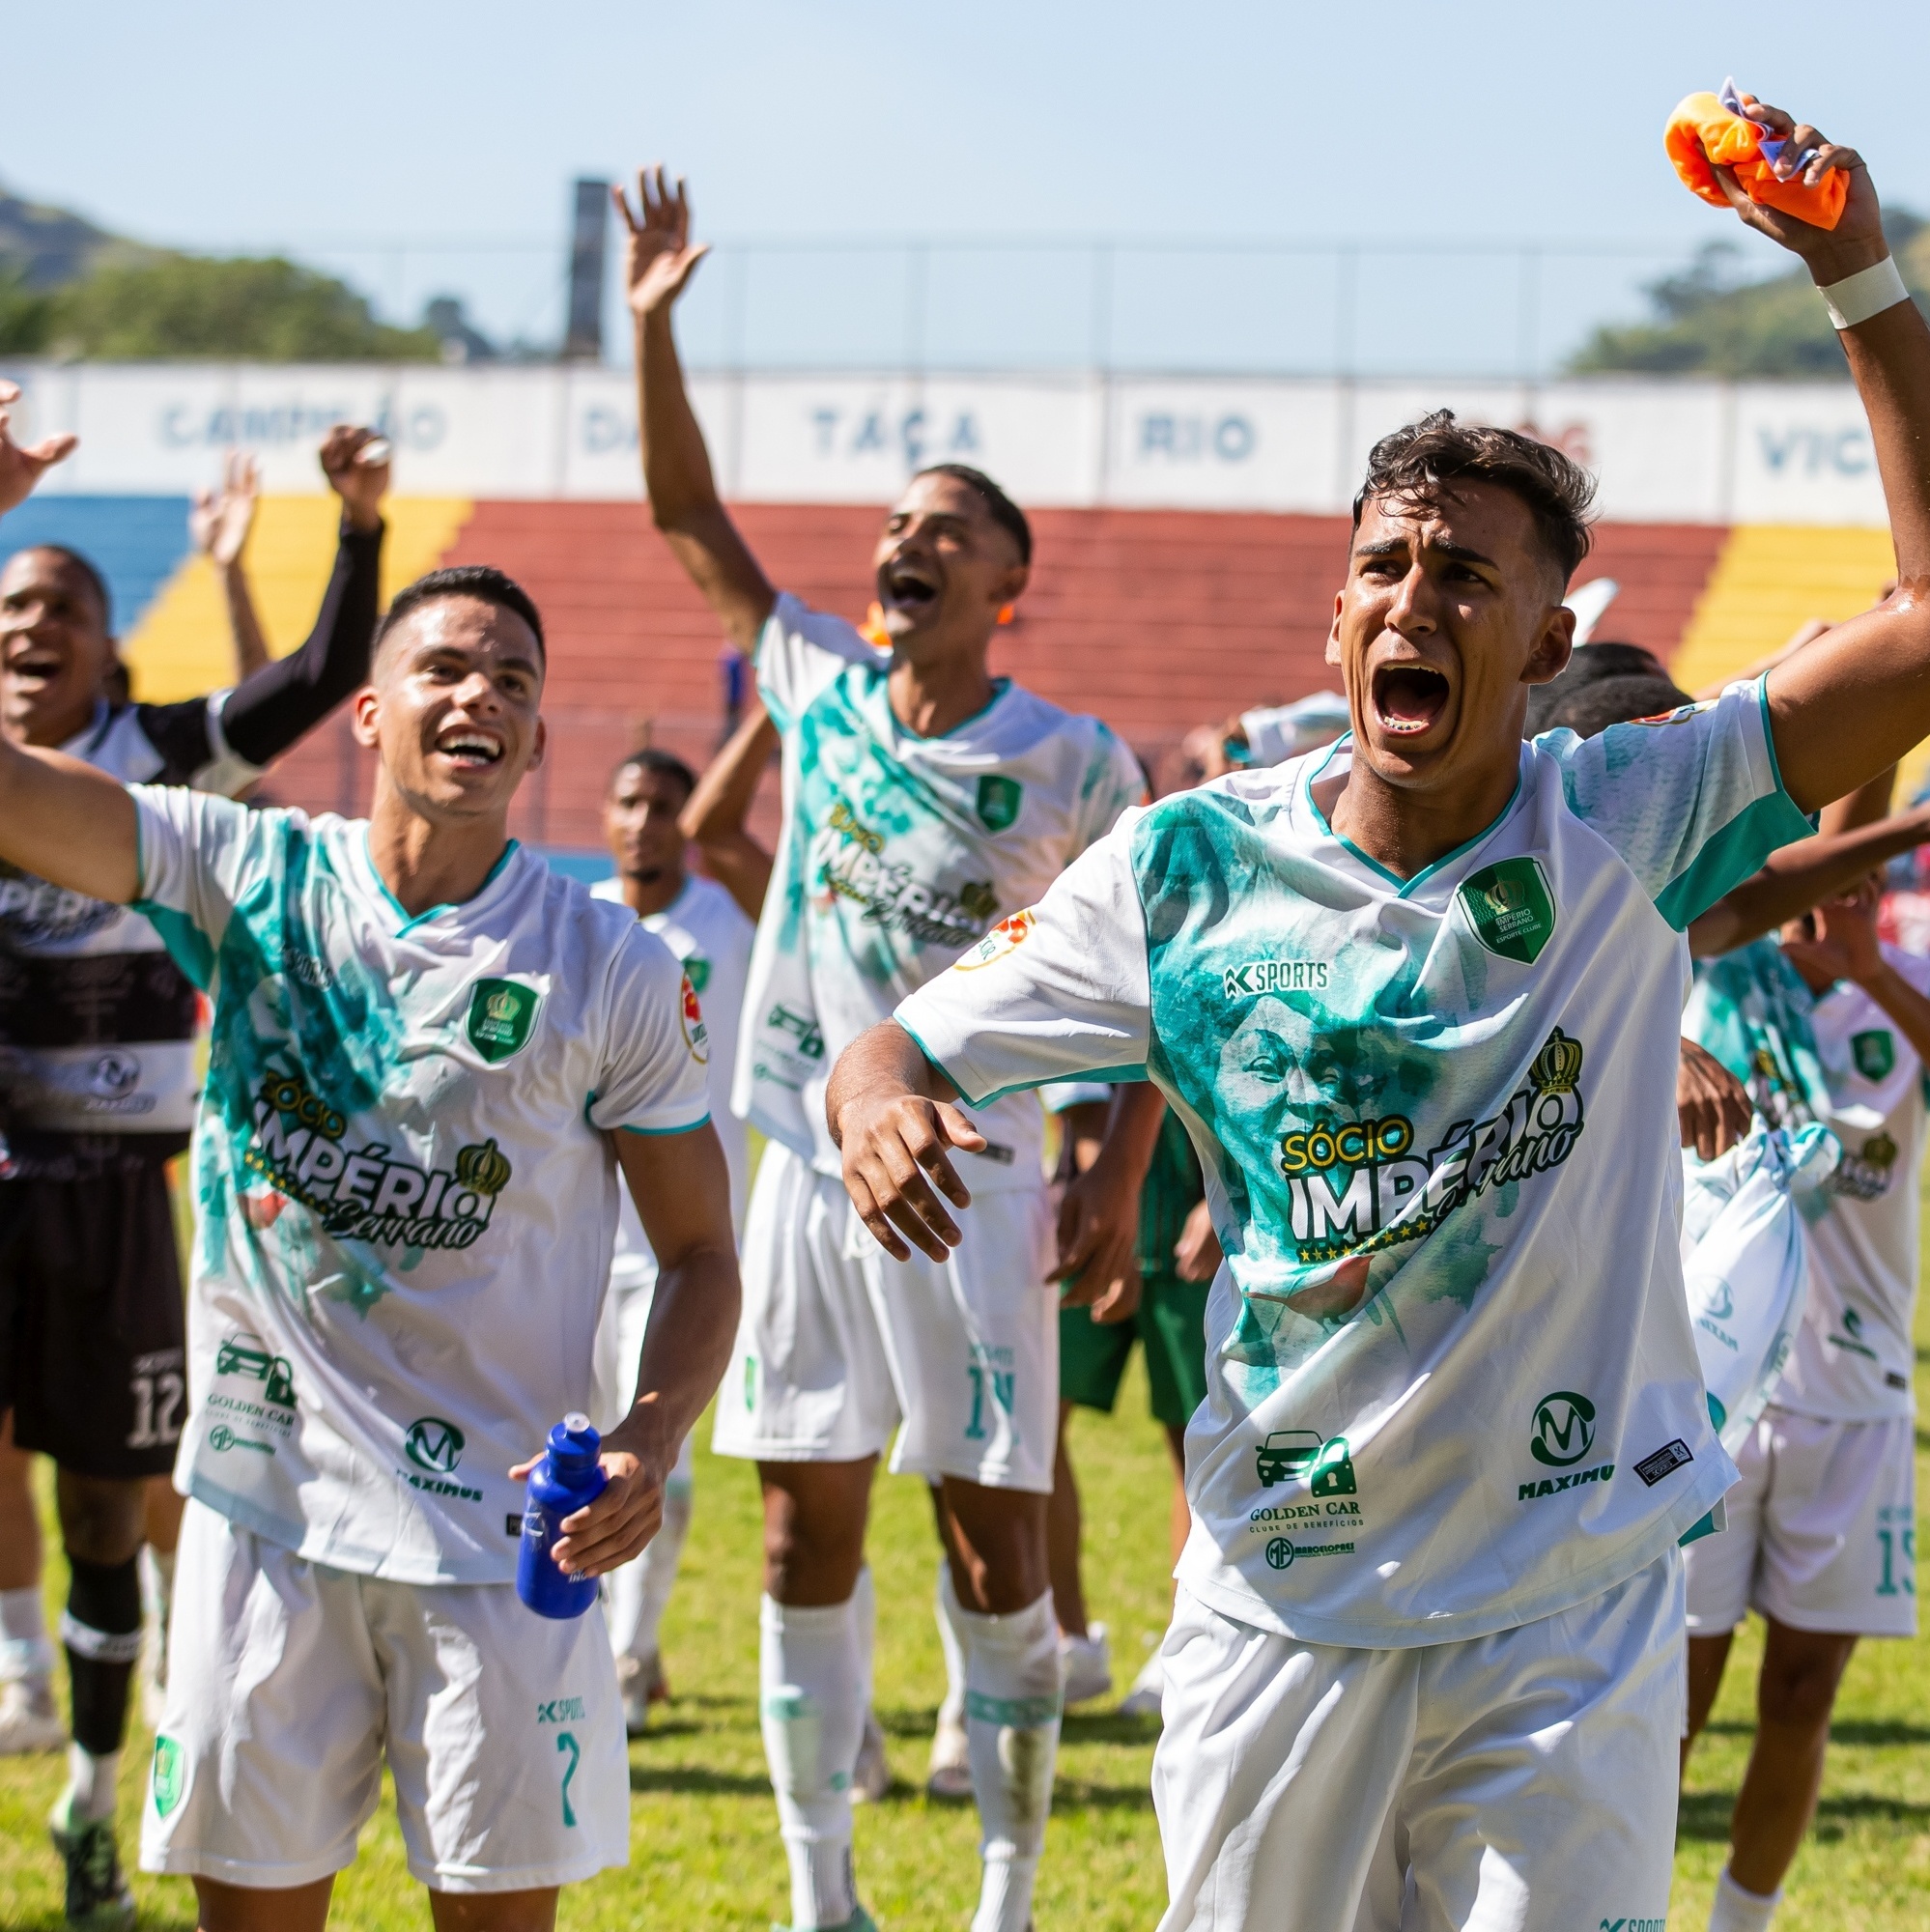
x=331, y=132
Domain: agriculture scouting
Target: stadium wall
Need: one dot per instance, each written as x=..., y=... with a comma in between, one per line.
x=1191, y=530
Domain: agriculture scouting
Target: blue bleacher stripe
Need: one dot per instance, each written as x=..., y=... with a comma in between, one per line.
x=136, y=543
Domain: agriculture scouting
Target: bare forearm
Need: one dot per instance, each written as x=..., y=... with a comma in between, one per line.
x=883, y=1060
x=1132, y=1132
x=687, y=1346
x=1801, y=877
x=251, y=652
x=69, y=824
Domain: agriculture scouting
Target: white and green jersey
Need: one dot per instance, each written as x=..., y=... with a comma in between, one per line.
x=1450, y=1382
x=897, y=853
x=710, y=935
x=406, y=1192
x=1751, y=1009
x=1853, y=1353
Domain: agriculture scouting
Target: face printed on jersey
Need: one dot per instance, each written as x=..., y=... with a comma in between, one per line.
x=452, y=707
x=1451, y=610
x=55, y=652
x=944, y=568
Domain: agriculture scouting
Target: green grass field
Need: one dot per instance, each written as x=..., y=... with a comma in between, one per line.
x=704, y=1845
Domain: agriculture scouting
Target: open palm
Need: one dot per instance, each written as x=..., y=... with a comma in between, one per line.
x=219, y=522
x=658, y=258
x=23, y=466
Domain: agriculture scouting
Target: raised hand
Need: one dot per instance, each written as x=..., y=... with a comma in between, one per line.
x=355, y=463
x=23, y=466
x=1845, y=945
x=1856, y=242
x=658, y=258
x=220, y=523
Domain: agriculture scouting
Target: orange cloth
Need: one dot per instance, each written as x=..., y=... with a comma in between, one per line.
x=1702, y=131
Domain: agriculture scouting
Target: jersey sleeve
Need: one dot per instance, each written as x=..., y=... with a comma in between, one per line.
x=1057, y=992
x=1114, y=783
x=651, y=1079
x=1692, y=800
x=199, y=855
x=799, y=652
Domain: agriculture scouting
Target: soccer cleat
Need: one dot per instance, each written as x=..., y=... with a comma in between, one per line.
x=860, y=1920
x=97, y=1897
x=871, y=1774
x=950, y=1771
x=1148, y=1692
x=29, y=1720
x=1086, y=1664
x=643, y=1683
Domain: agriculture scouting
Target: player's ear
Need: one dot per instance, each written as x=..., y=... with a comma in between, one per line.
x=1333, y=630
x=1552, y=649
x=1012, y=586
x=364, y=711
x=539, y=743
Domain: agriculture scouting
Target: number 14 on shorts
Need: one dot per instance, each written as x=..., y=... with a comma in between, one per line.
x=993, y=1383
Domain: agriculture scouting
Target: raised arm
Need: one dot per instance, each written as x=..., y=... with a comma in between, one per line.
x=218, y=525
x=67, y=823
x=1801, y=877
x=1846, y=947
x=659, y=259
x=23, y=466
x=713, y=819
x=1858, y=699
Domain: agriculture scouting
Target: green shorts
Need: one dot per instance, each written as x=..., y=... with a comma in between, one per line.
x=1172, y=1322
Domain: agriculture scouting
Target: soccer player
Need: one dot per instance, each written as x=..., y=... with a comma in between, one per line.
x=98, y=1025
x=923, y=800
x=703, y=927
x=1416, y=1000
x=431, y=1054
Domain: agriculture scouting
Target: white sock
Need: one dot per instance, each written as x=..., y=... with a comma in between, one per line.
x=90, y=1784
x=1012, y=1719
x=810, y=1674
x=864, y=1608
x=952, y=1638
x=1738, y=1911
x=157, y=1602
x=25, y=1650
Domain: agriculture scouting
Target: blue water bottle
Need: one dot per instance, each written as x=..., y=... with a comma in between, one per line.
x=567, y=1478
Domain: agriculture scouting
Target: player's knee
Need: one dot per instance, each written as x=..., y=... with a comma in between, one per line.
x=1799, y=1689
x=101, y=1520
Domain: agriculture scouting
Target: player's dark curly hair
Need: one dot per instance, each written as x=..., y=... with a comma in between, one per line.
x=1417, y=463
x=1006, y=514
x=482, y=580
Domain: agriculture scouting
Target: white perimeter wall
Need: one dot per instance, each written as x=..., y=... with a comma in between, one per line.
x=1665, y=453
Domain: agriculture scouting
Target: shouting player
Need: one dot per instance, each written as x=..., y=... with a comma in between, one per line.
x=1416, y=999
x=426, y=1047
x=923, y=799
x=703, y=927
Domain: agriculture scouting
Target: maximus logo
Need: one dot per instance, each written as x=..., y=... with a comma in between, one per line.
x=1564, y=1429
x=434, y=1444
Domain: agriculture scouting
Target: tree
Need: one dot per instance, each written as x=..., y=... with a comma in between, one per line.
x=1707, y=325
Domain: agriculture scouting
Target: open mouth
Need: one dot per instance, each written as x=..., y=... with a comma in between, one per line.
x=908, y=586
x=36, y=669
x=1409, y=698
x=473, y=751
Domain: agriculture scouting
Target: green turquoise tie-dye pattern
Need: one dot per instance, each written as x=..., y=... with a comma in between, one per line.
x=1753, y=1010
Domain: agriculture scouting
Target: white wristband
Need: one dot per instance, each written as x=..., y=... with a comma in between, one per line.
x=1867, y=292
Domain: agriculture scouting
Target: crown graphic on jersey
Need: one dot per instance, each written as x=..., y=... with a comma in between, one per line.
x=1558, y=1066
x=502, y=1006
x=483, y=1167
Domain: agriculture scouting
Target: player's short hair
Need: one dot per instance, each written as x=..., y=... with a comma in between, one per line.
x=1427, y=459
x=481, y=581
x=1615, y=700
x=95, y=580
x=1585, y=664
x=1006, y=514
x=650, y=759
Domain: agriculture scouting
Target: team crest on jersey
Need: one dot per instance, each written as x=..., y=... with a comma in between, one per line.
x=697, y=1036
x=1866, y=1173
x=170, y=1776
x=1511, y=909
x=696, y=969
x=501, y=1013
x=1679, y=715
x=999, y=799
x=996, y=944
x=1875, y=1054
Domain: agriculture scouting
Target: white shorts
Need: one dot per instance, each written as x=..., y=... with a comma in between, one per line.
x=287, y=1682
x=838, y=1345
x=1521, y=1781
x=1822, y=1530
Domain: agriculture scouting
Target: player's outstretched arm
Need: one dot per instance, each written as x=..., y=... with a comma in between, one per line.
x=1802, y=876
x=682, y=1190
x=21, y=467
x=714, y=817
x=1857, y=700
x=218, y=525
x=659, y=260
x=69, y=824
x=890, y=1112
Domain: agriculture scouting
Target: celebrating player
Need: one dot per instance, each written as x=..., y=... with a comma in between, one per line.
x=1417, y=1001
x=425, y=1046
x=922, y=800
x=702, y=925
x=100, y=1025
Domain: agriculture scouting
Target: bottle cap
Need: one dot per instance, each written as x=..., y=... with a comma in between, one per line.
x=574, y=1443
